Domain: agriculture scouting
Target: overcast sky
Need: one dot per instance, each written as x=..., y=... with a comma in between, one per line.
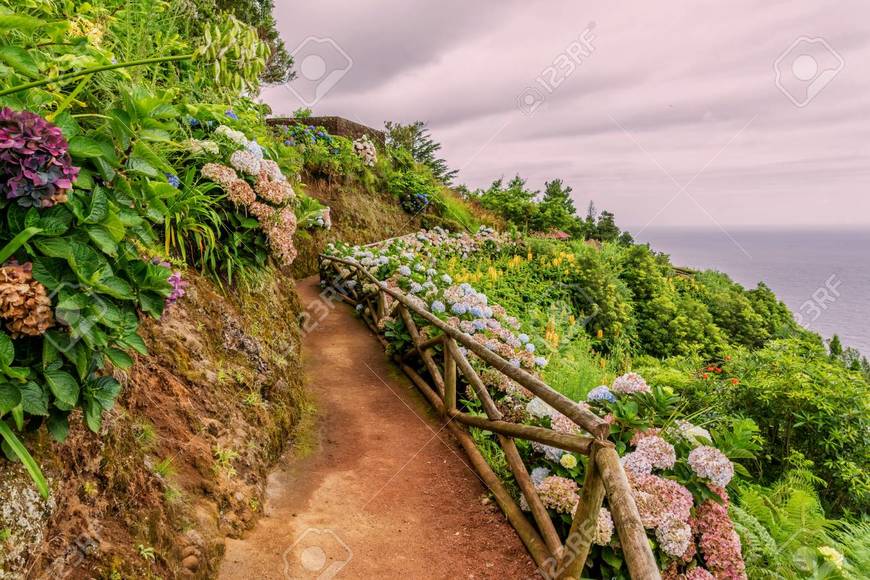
x=666, y=114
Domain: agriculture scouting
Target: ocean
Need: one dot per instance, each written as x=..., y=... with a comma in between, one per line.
x=822, y=275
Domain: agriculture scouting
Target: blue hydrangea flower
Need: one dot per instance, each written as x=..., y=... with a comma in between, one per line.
x=404, y=270
x=232, y=115
x=254, y=148
x=447, y=279
x=530, y=347
x=515, y=362
x=431, y=272
x=438, y=307
x=173, y=180
x=415, y=287
x=539, y=474
x=459, y=309
x=479, y=324
x=475, y=311
x=524, y=338
x=540, y=361
x=601, y=393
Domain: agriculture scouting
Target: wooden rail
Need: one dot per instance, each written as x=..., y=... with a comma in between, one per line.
x=605, y=476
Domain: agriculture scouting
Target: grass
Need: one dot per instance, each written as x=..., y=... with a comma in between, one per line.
x=165, y=468
x=457, y=209
x=224, y=460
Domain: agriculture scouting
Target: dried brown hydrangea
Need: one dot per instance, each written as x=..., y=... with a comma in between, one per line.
x=277, y=192
x=24, y=303
x=240, y=193
x=220, y=174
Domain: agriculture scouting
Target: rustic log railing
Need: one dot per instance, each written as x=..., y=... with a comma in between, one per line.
x=604, y=473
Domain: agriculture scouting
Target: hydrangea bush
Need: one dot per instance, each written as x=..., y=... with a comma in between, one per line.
x=256, y=187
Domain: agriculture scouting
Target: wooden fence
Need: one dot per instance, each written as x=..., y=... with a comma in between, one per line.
x=605, y=476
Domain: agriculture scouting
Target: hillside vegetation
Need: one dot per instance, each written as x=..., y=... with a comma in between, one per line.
x=152, y=227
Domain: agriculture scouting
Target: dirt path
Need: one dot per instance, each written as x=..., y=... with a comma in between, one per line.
x=382, y=492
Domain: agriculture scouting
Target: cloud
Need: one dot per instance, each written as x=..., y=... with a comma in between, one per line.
x=669, y=94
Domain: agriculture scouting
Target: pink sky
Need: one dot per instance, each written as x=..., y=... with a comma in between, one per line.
x=672, y=117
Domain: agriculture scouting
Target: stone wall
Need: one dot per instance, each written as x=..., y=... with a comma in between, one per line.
x=335, y=126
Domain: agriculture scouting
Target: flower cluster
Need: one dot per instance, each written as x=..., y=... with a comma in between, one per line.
x=414, y=203
x=659, y=499
x=630, y=383
x=674, y=537
x=559, y=494
x=604, y=530
x=601, y=393
x=719, y=543
x=323, y=219
x=690, y=433
x=365, y=150
x=24, y=303
x=411, y=263
x=710, y=463
x=232, y=135
x=178, y=284
x=35, y=166
x=269, y=197
x=201, y=147
x=302, y=135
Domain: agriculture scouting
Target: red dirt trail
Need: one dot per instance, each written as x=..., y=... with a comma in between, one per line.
x=382, y=492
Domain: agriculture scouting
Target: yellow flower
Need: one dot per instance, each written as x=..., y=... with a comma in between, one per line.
x=568, y=461
x=600, y=333
x=572, y=320
x=832, y=555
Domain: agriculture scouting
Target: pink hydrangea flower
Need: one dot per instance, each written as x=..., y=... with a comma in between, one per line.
x=636, y=463
x=652, y=452
x=630, y=383
x=710, y=463
x=674, y=537
x=604, y=532
x=719, y=543
x=659, y=500
x=659, y=452
x=559, y=493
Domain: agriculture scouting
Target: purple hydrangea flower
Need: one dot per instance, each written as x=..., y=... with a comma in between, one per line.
x=232, y=115
x=35, y=166
x=173, y=180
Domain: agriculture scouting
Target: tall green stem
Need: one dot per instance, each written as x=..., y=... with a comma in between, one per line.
x=94, y=70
